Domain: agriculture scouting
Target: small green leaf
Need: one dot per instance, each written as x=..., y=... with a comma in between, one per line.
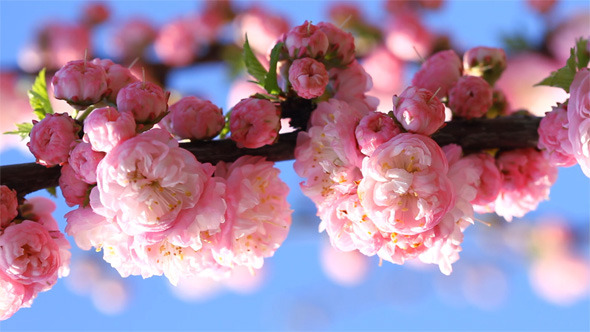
x=23, y=130
x=225, y=129
x=52, y=191
x=582, y=54
x=253, y=66
x=270, y=83
x=38, y=97
x=563, y=77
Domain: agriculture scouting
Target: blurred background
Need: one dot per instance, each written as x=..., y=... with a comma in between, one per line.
x=530, y=274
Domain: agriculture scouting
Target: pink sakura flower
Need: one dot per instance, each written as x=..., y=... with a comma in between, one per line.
x=486, y=62
x=8, y=206
x=145, y=100
x=440, y=72
x=490, y=180
x=84, y=161
x=419, y=111
x=105, y=128
x=405, y=188
x=146, y=181
x=373, y=130
x=553, y=137
x=308, y=77
x=254, y=123
x=526, y=180
x=408, y=38
x=80, y=82
x=258, y=216
x=262, y=27
x=52, y=137
x=578, y=114
x=13, y=296
x=386, y=71
x=194, y=118
x=74, y=190
x=132, y=38
x=341, y=44
x=471, y=97
x=306, y=40
x=350, y=85
x=175, y=44
x=117, y=77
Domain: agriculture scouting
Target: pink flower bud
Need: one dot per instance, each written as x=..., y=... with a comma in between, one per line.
x=52, y=137
x=419, y=111
x=106, y=127
x=145, y=100
x=132, y=38
x=84, y=161
x=95, y=13
x=486, y=62
x=74, y=190
x=117, y=77
x=80, y=82
x=578, y=115
x=308, y=77
x=254, y=123
x=8, y=206
x=471, y=97
x=439, y=73
x=194, y=118
x=306, y=40
x=341, y=44
x=374, y=130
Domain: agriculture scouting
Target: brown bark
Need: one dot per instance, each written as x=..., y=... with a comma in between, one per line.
x=503, y=133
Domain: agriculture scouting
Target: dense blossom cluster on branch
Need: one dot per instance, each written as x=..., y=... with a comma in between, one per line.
x=381, y=182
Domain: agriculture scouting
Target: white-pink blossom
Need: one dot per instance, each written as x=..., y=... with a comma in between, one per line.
x=254, y=123
x=350, y=84
x=194, y=118
x=419, y=111
x=145, y=100
x=553, y=137
x=306, y=40
x=8, y=205
x=471, y=97
x=13, y=295
x=308, y=77
x=578, y=114
x=80, y=82
x=105, y=128
x=52, y=137
x=439, y=73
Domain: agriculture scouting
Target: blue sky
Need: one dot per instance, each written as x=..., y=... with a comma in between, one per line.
x=296, y=293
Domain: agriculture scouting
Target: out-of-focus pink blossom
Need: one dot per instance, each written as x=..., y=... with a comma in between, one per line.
x=341, y=44
x=8, y=205
x=440, y=72
x=15, y=108
x=306, y=40
x=105, y=127
x=194, y=118
x=578, y=115
x=145, y=100
x=132, y=38
x=386, y=71
x=517, y=82
x=542, y=6
x=341, y=12
x=52, y=137
x=254, y=123
x=80, y=82
x=562, y=279
x=485, y=62
x=405, y=188
x=374, y=130
x=553, y=137
x=95, y=13
x=175, y=44
x=84, y=161
x=419, y=111
x=564, y=37
x=263, y=28
x=471, y=97
x=146, y=181
x=74, y=190
x=308, y=77
x=117, y=77
x=526, y=179
x=258, y=215
x=344, y=268
x=408, y=38
x=13, y=296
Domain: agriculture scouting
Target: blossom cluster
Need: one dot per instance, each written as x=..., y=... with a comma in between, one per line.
x=33, y=252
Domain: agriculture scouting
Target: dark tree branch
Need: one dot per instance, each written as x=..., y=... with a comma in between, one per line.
x=505, y=133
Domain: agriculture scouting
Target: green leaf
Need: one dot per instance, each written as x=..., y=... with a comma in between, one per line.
x=23, y=130
x=38, y=97
x=270, y=83
x=225, y=129
x=253, y=66
x=52, y=191
x=563, y=77
x=582, y=54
